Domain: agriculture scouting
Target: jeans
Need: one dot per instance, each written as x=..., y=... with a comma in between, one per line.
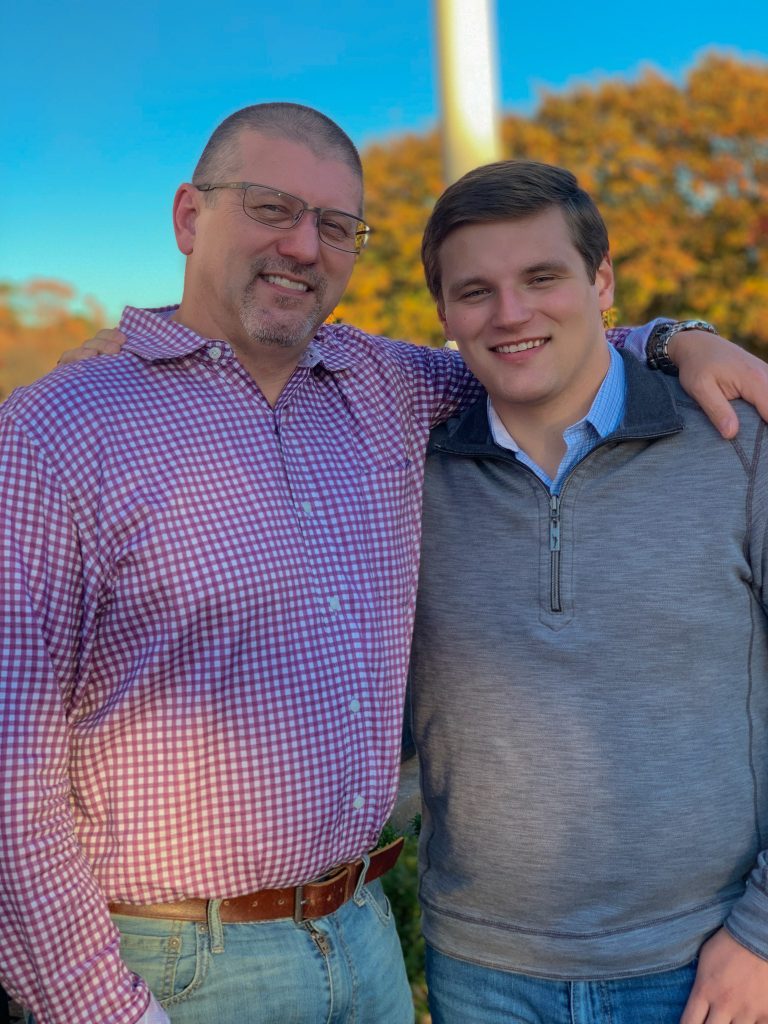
x=465, y=993
x=347, y=967
x=344, y=968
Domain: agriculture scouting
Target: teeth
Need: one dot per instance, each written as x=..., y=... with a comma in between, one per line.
x=521, y=347
x=297, y=286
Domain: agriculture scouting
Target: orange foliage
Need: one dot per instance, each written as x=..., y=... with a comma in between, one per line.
x=38, y=320
x=679, y=172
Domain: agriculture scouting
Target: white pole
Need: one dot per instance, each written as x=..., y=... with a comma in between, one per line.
x=466, y=41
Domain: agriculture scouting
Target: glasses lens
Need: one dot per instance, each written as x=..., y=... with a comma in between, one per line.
x=281, y=210
x=342, y=230
x=269, y=207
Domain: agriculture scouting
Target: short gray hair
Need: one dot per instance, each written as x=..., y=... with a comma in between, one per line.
x=280, y=120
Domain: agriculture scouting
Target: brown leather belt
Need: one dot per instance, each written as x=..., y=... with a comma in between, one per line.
x=301, y=902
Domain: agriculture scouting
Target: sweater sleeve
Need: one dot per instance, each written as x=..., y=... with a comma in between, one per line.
x=748, y=920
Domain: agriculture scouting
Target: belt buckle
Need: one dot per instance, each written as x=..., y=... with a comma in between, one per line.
x=298, y=904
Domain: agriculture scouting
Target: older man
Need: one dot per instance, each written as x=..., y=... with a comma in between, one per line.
x=210, y=549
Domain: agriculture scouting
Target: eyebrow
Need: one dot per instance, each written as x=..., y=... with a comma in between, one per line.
x=465, y=282
x=546, y=266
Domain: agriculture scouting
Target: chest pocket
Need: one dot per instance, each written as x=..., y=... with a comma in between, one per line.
x=390, y=511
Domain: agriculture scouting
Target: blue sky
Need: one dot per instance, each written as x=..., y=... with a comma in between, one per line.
x=105, y=108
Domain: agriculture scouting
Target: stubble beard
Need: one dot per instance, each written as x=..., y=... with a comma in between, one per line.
x=266, y=326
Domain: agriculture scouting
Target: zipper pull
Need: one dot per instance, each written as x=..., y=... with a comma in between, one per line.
x=554, y=522
x=320, y=940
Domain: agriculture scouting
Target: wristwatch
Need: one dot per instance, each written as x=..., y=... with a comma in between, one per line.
x=657, y=346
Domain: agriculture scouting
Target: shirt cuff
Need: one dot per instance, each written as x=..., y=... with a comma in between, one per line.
x=155, y=1014
x=636, y=339
x=748, y=921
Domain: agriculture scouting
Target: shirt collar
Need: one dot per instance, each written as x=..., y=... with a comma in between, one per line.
x=154, y=336
x=605, y=413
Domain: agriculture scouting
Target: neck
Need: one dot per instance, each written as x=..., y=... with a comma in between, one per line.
x=538, y=429
x=538, y=425
x=270, y=366
x=541, y=440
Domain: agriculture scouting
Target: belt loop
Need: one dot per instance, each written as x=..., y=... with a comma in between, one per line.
x=215, y=928
x=356, y=896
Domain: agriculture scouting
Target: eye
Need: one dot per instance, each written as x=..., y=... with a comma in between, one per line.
x=543, y=279
x=338, y=227
x=271, y=213
x=473, y=293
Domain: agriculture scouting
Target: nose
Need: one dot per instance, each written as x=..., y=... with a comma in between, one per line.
x=301, y=242
x=512, y=308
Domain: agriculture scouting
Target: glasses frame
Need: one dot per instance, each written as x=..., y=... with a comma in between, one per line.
x=361, y=236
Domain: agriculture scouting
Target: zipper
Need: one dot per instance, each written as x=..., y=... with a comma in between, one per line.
x=555, y=500
x=555, y=600
x=320, y=940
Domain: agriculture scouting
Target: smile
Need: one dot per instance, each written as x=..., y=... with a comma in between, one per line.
x=521, y=346
x=285, y=282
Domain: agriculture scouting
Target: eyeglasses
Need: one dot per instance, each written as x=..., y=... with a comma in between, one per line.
x=281, y=210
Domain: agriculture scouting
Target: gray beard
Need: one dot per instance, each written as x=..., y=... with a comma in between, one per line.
x=263, y=328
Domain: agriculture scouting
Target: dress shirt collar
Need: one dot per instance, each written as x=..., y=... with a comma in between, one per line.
x=154, y=336
x=604, y=415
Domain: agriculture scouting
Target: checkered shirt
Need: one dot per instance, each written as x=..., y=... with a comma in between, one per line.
x=206, y=615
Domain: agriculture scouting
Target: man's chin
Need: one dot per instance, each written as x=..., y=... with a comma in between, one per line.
x=273, y=333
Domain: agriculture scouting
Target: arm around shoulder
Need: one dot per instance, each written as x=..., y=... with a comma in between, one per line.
x=712, y=369
x=107, y=342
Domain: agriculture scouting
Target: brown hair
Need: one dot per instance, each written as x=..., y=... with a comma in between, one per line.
x=511, y=190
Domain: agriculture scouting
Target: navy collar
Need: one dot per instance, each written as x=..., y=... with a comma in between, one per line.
x=651, y=411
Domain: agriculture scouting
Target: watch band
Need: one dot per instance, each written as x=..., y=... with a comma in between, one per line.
x=657, y=347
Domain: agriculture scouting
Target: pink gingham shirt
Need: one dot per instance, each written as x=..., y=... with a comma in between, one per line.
x=206, y=613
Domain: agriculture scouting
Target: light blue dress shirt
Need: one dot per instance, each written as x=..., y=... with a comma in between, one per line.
x=604, y=416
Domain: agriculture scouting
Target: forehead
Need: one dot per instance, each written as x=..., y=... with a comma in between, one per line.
x=509, y=246
x=320, y=177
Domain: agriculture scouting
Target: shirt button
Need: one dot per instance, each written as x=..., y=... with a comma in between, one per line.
x=334, y=604
x=214, y=353
x=307, y=506
x=354, y=705
x=358, y=802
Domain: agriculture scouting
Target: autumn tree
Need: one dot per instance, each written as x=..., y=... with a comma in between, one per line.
x=679, y=171
x=38, y=320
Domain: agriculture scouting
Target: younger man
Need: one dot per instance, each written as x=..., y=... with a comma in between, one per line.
x=595, y=788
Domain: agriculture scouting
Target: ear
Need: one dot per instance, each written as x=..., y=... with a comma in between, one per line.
x=605, y=283
x=441, y=317
x=186, y=208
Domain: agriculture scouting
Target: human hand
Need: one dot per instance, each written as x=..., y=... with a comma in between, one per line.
x=107, y=342
x=713, y=371
x=731, y=985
